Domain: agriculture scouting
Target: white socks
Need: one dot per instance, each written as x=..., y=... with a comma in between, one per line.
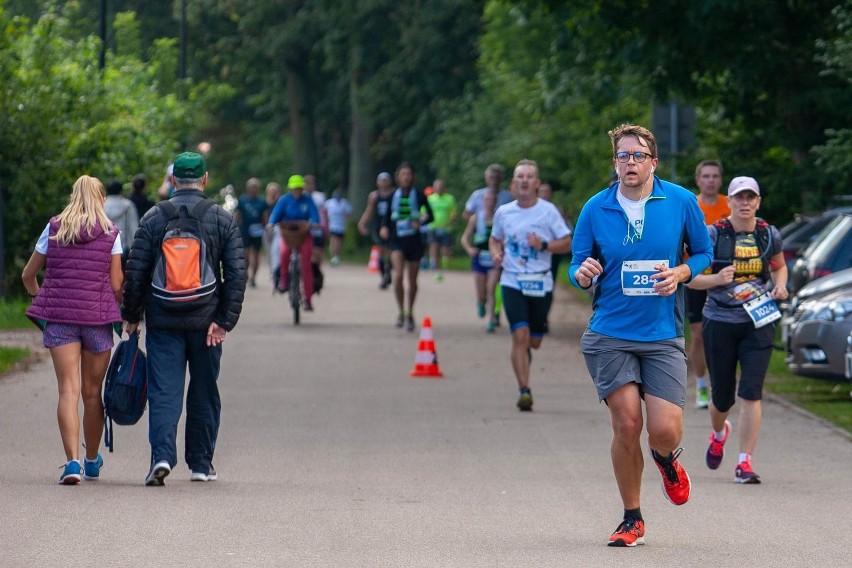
x=701, y=382
x=744, y=457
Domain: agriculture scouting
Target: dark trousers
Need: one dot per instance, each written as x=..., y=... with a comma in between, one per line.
x=726, y=345
x=169, y=353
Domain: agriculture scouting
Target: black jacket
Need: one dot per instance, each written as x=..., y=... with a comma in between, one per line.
x=226, y=249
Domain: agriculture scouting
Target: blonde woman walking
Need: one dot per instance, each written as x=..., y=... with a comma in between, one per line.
x=80, y=252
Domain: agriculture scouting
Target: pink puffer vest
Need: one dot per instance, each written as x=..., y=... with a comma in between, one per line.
x=76, y=287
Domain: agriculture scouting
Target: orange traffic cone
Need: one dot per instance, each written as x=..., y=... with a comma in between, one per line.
x=373, y=265
x=426, y=360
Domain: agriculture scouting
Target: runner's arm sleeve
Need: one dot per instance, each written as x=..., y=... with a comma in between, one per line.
x=700, y=247
x=559, y=241
x=497, y=231
x=429, y=216
x=468, y=205
x=558, y=226
x=582, y=244
x=277, y=212
x=705, y=281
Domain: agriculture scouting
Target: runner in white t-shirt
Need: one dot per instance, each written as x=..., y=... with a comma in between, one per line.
x=473, y=207
x=525, y=232
x=338, y=210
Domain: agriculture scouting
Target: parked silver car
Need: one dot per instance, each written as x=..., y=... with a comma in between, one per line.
x=830, y=251
x=818, y=328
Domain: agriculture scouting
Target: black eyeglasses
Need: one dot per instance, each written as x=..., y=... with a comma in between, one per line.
x=638, y=157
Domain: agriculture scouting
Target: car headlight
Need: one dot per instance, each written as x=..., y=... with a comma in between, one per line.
x=832, y=311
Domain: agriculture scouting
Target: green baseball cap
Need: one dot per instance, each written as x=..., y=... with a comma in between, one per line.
x=296, y=182
x=189, y=165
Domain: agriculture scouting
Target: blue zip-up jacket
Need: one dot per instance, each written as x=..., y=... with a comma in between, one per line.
x=672, y=219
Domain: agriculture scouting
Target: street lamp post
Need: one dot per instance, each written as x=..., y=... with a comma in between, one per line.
x=103, y=30
x=182, y=39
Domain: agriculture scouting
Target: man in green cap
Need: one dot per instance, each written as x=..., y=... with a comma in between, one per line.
x=189, y=332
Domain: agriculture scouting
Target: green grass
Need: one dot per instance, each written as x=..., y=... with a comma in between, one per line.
x=828, y=399
x=12, y=317
x=12, y=314
x=11, y=355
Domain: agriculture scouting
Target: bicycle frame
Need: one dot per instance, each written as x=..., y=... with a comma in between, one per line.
x=294, y=234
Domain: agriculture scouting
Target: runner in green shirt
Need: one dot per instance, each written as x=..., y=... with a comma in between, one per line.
x=445, y=210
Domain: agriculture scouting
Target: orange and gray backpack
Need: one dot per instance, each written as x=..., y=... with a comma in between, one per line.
x=183, y=277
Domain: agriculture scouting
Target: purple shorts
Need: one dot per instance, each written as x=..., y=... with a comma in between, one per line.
x=94, y=338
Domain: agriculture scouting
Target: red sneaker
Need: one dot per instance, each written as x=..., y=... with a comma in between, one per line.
x=629, y=533
x=676, y=486
x=744, y=474
x=716, y=449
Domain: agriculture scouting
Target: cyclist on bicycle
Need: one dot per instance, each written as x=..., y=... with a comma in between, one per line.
x=296, y=212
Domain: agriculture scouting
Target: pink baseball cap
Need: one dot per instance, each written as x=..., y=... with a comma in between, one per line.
x=743, y=183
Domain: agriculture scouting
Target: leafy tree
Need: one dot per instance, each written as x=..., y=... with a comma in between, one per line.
x=355, y=86
x=751, y=68
x=835, y=156
x=61, y=116
x=546, y=91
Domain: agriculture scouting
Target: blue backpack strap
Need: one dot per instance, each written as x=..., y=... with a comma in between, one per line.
x=108, y=437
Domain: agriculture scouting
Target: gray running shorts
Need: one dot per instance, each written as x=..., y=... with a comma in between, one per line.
x=659, y=367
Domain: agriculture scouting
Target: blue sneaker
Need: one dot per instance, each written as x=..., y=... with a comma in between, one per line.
x=92, y=469
x=525, y=401
x=71, y=473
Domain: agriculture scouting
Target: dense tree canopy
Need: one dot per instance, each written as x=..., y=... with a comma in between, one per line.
x=347, y=89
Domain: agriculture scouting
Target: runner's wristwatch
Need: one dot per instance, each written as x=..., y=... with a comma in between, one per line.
x=543, y=245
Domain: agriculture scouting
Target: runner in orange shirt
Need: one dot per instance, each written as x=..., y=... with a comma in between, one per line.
x=708, y=178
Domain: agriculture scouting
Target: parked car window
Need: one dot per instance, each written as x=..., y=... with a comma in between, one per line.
x=798, y=237
x=829, y=239
x=830, y=251
x=842, y=257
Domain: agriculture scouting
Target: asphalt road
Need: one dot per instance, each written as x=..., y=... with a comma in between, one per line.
x=331, y=455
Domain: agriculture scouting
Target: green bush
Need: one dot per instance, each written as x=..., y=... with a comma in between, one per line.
x=62, y=116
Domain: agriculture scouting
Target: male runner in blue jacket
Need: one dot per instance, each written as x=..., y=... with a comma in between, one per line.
x=629, y=243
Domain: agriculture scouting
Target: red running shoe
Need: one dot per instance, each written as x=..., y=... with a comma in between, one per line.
x=744, y=474
x=629, y=533
x=676, y=486
x=716, y=449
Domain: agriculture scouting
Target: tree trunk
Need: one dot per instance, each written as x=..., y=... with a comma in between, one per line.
x=301, y=120
x=361, y=172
